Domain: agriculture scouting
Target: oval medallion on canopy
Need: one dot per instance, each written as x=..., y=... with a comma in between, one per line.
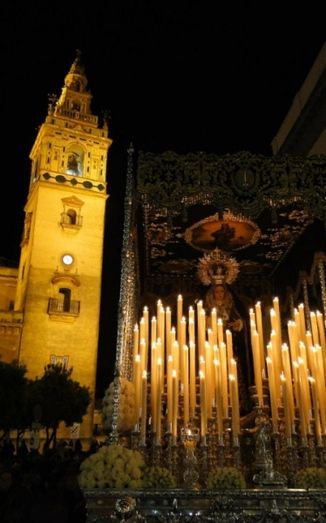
x=229, y=233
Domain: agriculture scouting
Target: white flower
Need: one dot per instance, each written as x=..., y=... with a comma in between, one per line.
x=127, y=406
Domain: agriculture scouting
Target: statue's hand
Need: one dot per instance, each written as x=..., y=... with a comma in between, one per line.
x=237, y=325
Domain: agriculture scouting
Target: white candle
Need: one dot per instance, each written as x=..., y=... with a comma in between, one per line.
x=293, y=339
x=288, y=380
x=233, y=378
x=169, y=389
x=224, y=381
x=143, y=352
x=143, y=409
x=153, y=384
x=191, y=326
x=252, y=321
x=277, y=368
x=276, y=307
x=142, y=333
x=304, y=390
x=271, y=383
x=320, y=384
x=286, y=407
x=312, y=382
x=158, y=401
x=214, y=325
x=179, y=317
x=321, y=328
x=168, y=351
x=175, y=405
x=220, y=338
x=173, y=338
x=185, y=384
x=260, y=330
x=158, y=348
x=218, y=397
x=201, y=333
x=137, y=378
x=153, y=330
x=298, y=397
x=136, y=339
x=158, y=307
x=146, y=332
x=199, y=325
x=229, y=345
x=203, y=418
x=192, y=379
x=321, y=331
x=302, y=322
x=182, y=342
x=314, y=328
x=161, y=330
x=309, y=345
x=257, y=368
x=175, y=353
x=209, y=378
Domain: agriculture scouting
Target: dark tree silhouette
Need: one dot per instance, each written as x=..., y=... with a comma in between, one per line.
x=14, y=398
x=59, y=398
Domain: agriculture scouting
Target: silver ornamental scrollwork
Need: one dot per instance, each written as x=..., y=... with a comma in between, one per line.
x=243, y=182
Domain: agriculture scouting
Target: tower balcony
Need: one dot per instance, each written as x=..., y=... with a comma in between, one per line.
x=62, y=310
x=11, y=317
x=76, y=115
x=71, y=221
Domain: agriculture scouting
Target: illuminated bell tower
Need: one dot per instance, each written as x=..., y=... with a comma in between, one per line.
x=60, y=270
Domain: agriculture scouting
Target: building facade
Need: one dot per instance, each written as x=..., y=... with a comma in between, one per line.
x=303, y=130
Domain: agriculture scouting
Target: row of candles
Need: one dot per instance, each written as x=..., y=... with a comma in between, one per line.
x=175, y=359
x=296, y=369
x=172, y=358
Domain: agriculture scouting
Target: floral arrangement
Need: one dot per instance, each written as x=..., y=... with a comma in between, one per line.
x=217, y=268
x=225, y=478
x=112, y=466
x=310, y=477
x=158, y=477
x=127, y=406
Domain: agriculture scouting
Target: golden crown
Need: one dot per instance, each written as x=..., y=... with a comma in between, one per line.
x=217, y=268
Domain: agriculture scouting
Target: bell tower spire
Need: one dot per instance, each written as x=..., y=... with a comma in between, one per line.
x=75, y=99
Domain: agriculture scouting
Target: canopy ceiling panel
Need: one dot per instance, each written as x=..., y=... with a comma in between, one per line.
x=256, y=208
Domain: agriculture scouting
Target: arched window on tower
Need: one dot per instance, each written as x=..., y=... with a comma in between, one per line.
x=66, y=298
x=64, y=306
x=75, y=160
x=71, y=217
x=75, y=85
x=75, y=106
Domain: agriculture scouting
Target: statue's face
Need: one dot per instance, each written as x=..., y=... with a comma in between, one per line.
x=219, y=293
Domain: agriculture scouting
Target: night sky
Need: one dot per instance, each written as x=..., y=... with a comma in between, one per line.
x=185, y=76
